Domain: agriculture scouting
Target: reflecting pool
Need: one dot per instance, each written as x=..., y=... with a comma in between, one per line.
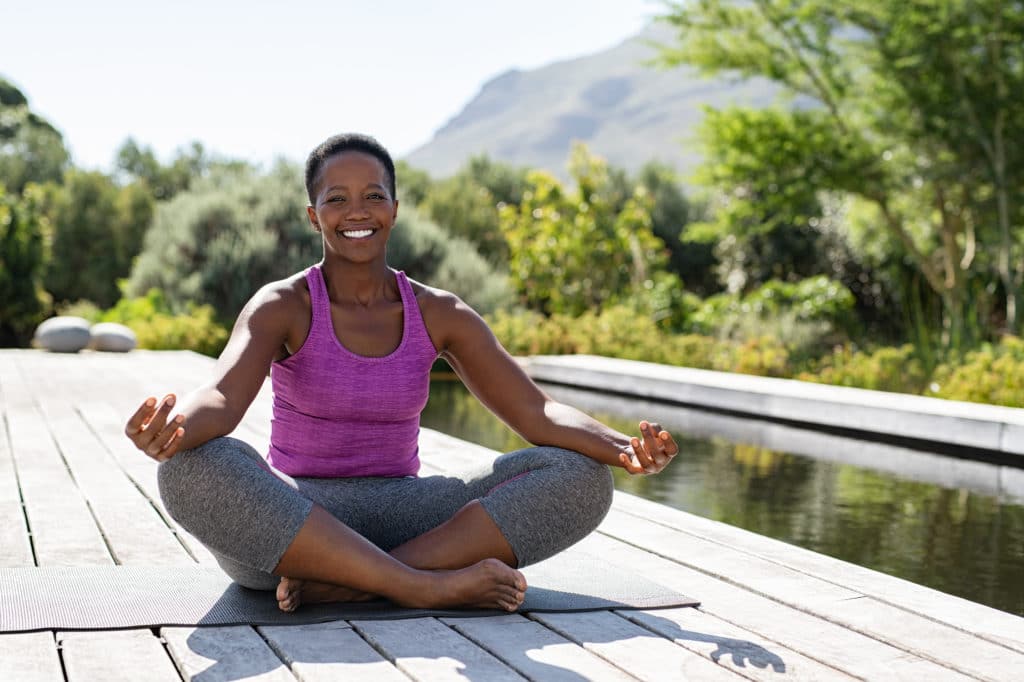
x=954, y=525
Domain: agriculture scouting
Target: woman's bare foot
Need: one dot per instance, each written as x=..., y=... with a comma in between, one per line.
x=292, y=592
x=486, y=584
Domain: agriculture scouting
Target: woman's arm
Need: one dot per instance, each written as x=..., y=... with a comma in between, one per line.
x=215, y=408
x=495, y=378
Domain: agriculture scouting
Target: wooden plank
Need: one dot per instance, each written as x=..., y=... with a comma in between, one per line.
x=425, y=649
x=913, y=633
x=118, y=656
x=14, y=533
x=30, y=657
x=821, y=640
x=223, y=654
x=325, y=652
x=992, y=624
x=744, y=652
x=628, y=646
x=534, y=650
x=107, y=425
x=64, y=532
x=135, y=532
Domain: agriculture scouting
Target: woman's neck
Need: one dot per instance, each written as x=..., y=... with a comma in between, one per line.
x=362, y=284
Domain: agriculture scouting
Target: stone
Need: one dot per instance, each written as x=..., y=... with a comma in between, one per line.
x=112, y=337
x=63, y=334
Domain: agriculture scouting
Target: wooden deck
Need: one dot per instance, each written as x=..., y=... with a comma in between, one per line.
x=74, y=492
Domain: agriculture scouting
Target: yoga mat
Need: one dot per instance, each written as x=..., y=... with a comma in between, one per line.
x=113, y=597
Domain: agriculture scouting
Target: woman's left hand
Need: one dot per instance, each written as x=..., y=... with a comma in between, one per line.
x=652, y=453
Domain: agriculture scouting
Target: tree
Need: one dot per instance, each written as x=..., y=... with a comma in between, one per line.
x=906, y=106
x=219, y=241
x=31, y=150
x=571, y=251
x=140, y=164
x=23, y=302
x=97, y=231
x=467, y=204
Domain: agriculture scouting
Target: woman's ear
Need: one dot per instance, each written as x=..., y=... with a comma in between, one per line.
x=311, y=213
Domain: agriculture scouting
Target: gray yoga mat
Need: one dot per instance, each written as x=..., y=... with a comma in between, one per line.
x=112, y=597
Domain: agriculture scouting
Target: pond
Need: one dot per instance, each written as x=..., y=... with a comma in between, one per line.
x=951, y=524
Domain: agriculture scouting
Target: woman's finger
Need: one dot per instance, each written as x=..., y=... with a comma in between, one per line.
x=629, y=463
x=172, y=446
x=669, y=443
x=138, y=420
x=652, y=444
x=160, y=439
x=643, y=457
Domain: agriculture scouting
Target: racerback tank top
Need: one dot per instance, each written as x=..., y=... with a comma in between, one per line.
x=339, y=414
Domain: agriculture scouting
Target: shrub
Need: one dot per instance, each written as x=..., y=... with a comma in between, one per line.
x=23, y=228
x=427, y=252
x=994, y=374
x=885, y=369
x=157, y=328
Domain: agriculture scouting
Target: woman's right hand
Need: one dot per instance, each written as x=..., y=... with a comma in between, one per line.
x=150, y=431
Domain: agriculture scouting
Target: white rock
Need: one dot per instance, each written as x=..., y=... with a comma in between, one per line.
x=112, y=337
x=64, y=334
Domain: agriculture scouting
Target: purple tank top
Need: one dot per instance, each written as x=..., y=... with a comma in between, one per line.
x=338, y=414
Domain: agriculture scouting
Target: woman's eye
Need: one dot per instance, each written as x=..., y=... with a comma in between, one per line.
x=376, y=197
x=336, y=199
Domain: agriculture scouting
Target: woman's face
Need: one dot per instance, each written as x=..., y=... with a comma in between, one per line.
x=354, y=208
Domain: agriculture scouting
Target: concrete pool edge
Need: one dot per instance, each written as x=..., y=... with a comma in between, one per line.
x=987, y=428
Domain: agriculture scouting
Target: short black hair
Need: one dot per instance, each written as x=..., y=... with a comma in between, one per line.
x=346, y=142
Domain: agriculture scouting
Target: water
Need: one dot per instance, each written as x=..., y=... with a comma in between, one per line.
x=954, y=525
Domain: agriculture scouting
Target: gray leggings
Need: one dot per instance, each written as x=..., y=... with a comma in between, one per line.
x=543, y=499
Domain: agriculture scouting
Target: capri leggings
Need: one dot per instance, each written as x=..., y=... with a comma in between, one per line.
x=543, y=499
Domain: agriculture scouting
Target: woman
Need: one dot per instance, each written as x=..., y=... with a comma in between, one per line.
x=336, y=511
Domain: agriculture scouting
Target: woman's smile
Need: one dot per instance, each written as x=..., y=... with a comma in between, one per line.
x=356, y=234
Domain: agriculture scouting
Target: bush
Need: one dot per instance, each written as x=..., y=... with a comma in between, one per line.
x=23, y=228
x=157, y=328
x=885, y=369
x=226, y=236
x=994, y=374
x=427, y=252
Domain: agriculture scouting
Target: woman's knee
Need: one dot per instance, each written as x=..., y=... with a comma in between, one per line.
x=200, y=473
x=590, y=482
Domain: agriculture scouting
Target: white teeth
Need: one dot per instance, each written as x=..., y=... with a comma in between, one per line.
x=357, y=234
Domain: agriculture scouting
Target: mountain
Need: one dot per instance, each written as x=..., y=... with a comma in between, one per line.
x=624, y=109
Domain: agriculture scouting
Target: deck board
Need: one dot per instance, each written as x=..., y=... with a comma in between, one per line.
x=74, y=488
x=116, y=656
x=326, y=652
x=534, y=650
x=427, y=650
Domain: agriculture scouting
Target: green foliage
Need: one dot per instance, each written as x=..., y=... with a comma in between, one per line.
x=803, y=316
x=157, y=328
x=412, y=183
x=909, y=107
x=226, y=236
x=885, y=369
x=993, y=374
x=572, y=251
x=693, y=261
x=97, y=230
x=141, y=165
x=31, y=150
x=426, y=252
x=467, y=204
x=618, y=331
x=23, y=229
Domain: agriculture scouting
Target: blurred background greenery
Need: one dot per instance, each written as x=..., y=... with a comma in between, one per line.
x=865, y=229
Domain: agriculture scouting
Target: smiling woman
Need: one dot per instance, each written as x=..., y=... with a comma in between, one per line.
x=336, y=511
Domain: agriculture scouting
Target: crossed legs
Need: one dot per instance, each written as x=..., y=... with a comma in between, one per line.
x=434, y=541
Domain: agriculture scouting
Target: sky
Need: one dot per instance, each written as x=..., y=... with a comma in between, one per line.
x=261, y=80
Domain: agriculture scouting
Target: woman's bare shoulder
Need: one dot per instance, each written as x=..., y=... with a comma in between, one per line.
x=447, y=317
